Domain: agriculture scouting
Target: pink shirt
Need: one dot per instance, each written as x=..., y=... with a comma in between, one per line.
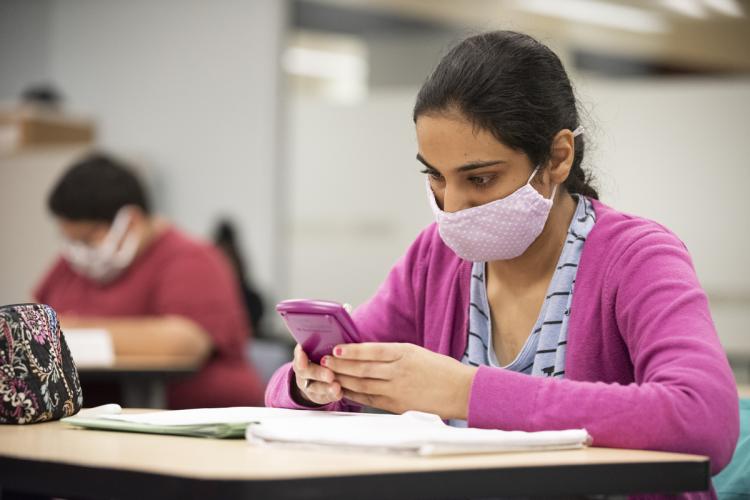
x=175, y=275
x=644, y=368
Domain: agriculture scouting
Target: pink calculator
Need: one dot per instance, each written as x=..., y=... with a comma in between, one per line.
x=318, y=325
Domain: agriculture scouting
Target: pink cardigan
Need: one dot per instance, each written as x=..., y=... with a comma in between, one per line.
x=644, y=368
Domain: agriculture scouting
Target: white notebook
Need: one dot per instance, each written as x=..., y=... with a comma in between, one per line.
x=416, y=433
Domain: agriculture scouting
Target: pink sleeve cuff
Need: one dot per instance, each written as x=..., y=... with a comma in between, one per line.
x=502, y=399
x=278, y=393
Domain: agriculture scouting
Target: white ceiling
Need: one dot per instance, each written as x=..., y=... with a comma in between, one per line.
x=705, y=35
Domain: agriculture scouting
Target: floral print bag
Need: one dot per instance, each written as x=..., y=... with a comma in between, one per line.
x=38, y=378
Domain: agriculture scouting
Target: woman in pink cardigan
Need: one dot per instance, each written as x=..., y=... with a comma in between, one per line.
x=529, y=304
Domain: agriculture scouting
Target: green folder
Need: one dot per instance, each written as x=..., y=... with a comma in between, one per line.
x=216, y=430
x=199, y=422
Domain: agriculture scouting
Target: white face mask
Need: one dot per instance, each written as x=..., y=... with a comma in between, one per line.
x=500, y=230
x=107, y=260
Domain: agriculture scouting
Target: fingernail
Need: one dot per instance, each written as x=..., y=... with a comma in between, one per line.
x=338, y=351
x=324, y=361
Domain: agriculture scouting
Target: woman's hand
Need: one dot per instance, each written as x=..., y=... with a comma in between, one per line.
x=315, y=384
x=400, y=377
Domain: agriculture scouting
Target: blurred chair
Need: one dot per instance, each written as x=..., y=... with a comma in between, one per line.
x=225, y=238
x=733, y=483
x=267, y=355
x=265, y=352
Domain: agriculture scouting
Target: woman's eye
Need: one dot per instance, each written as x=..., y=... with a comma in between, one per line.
x=435, y=175
x=481, y=180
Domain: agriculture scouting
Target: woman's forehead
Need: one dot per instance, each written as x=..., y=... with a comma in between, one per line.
x=448, y=140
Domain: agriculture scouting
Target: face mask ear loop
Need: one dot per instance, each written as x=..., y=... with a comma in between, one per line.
x=121, y=221
x=119, y=227
x=533, y=174
x=554, y=188
x=579, y=131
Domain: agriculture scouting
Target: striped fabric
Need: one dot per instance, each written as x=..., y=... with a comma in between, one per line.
x=543, y=354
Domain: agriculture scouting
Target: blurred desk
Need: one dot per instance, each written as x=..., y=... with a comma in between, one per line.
x=143, y=379
x=59, y=460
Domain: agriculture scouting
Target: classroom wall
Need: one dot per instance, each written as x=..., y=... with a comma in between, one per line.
x=190, y=87
x=676, y=151
x=24, y=44
x=672, y=150
x=356, y=195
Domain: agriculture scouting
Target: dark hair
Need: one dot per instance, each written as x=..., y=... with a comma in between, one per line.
x=95, y=188
x=513, y=86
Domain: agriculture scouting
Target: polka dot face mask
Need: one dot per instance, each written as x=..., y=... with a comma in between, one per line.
x=499, y=230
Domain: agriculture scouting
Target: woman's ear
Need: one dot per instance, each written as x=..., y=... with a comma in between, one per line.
x=561, y=156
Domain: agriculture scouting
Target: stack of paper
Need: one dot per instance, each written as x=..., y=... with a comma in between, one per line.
x=417, y=433
x=412, y=433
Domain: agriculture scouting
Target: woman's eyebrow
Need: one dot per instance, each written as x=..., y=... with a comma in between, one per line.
x=463, y=168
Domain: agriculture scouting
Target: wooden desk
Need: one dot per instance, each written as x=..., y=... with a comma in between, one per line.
x=143, y=379
x=59, y=460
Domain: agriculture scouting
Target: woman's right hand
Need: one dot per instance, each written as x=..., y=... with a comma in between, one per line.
x=315, y=383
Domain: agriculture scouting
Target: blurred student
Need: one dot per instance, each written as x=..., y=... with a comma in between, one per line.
x=154, y=288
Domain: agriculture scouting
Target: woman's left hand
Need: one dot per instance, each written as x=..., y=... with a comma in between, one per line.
x=400, y=377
